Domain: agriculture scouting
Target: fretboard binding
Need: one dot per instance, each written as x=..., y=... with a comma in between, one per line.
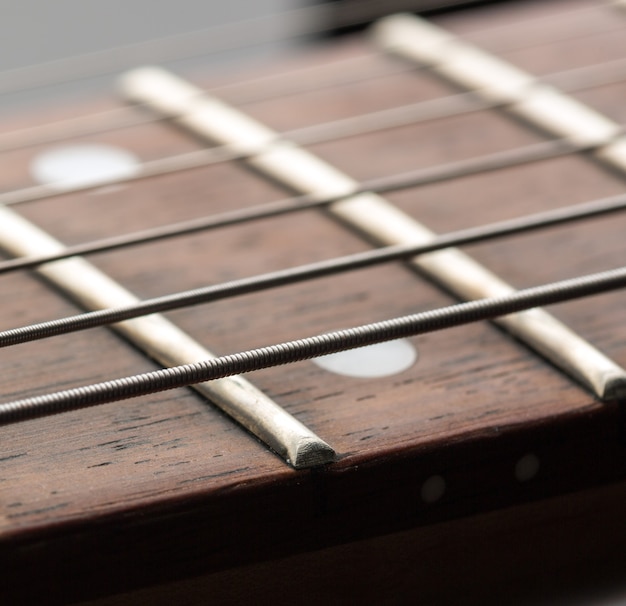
x=294, y=275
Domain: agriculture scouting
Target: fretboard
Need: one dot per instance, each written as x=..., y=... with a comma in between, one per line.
x=473, y=420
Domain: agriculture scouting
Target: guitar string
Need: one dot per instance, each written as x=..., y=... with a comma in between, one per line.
x=375, y=218
x=25, y=410
x=319, y=345
x=263, y=89
x=549, y=149
x=424, y=111
x=125, y=117
x=537, y=152
x=300, y=22
x=386, y=184
x=270, y=280
x=324, y=132
x=572, y=80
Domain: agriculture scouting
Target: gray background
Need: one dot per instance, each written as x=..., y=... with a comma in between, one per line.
x=36, y=32
x=38, y=38
x=33, y=31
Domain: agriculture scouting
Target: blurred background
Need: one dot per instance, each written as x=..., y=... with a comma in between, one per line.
x=54, y=48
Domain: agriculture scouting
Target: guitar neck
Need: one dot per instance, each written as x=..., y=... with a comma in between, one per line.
x=436, y=433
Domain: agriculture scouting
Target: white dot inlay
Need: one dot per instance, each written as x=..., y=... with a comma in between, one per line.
x=527, y=467
x=378, y=360
x=433, y=489
x=82, y=165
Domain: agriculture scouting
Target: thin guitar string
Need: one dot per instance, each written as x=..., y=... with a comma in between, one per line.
x=293, y=352
x=104, y=121
x=571, y=80
x=324, y=132
x=312, y=271
x=319, y=345
x=303, y=22
x=537, y=152
x=48, y=133
x=424, y=111
x=544, y=150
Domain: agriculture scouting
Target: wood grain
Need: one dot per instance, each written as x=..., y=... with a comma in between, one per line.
x=165, y=487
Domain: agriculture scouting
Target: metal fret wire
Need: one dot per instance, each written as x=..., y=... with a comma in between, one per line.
x=303, y=349
x=311, y=271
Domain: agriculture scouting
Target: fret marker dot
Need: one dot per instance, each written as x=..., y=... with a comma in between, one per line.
x=380, y=360
x=527, y=467
x=433, y=489
x=82, y=165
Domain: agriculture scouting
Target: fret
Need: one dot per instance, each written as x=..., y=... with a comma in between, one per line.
x=490, y=78
x=495, y=80
x=162, y=341
x=368, y=213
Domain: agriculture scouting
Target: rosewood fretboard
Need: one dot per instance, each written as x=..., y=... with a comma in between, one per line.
x=171, y=482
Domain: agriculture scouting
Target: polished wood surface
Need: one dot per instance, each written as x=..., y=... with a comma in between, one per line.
x=169, y=482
